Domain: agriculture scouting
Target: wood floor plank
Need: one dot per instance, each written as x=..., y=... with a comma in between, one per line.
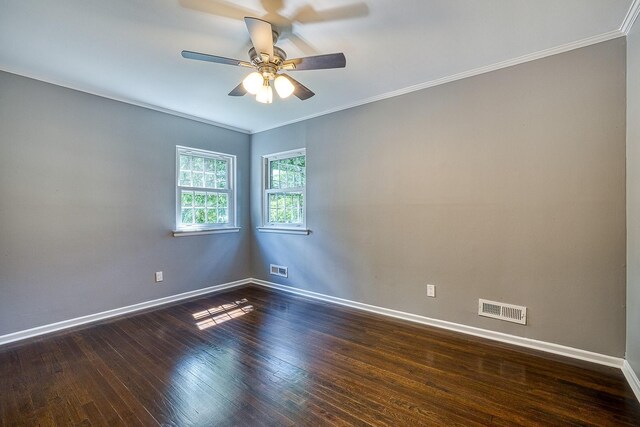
x=256, y=357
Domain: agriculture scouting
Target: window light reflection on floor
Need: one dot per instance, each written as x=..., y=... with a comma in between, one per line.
x=222, y=313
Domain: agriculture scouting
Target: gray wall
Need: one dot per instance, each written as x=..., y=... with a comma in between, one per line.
x=633, y=198
x=508, y=186
x=88, y=193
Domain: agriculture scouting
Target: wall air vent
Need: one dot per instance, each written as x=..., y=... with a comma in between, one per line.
x=278, y=270
x=502, y=311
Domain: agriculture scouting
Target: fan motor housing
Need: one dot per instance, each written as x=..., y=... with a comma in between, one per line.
x=279, y=57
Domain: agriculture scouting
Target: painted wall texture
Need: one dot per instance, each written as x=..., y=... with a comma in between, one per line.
x=633, y=198
x=88, y=203
x=508, y=186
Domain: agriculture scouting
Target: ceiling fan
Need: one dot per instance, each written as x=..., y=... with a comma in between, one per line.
x=269, y=61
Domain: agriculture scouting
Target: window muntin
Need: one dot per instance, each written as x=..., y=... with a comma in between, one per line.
x=285, y=189
x=205, y=194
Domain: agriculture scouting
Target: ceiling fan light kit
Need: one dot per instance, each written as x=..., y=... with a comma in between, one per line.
x=269, y=61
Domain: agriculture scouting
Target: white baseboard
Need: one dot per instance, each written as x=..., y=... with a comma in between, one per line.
x=562, y=350
x=65, y=324
x=632, y=379
x=470, y=330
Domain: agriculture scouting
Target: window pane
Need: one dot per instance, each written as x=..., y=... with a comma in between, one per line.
x=185, y=178
x=187, y=216
x=221, y=174
x=198, y=179
x=223, y=200
x=209, y=180
x=222, y=215
x=291, y=177
x=284, y=174
x=272, y=207
x=185, y=162
x=212, y=216
x=187, y=198
x=275, y=174
x=211, y=200
x=296, y=176
x=287, y=208
x=199, y=200
x=209, y=165
x=197, y=163
x=200, y=216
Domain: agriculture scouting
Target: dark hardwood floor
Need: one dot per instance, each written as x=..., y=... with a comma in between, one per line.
x=268, y=358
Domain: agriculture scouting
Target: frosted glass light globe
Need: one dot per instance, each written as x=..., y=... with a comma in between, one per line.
x=265, y=94
x=252, y=83
x=284, y=87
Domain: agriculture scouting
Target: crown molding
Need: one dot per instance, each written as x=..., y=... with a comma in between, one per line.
x=119, y=98
x=630, y=18
x=632, y=14
x=471, y=73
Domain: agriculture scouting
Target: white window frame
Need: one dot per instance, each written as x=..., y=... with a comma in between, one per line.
x=196, y=229
x=266, y=190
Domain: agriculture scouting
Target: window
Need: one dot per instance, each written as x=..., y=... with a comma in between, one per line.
x=285, y=181
x=205, y=190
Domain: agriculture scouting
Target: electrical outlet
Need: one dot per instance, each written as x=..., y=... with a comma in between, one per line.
x=431, y=291
x=159, y=276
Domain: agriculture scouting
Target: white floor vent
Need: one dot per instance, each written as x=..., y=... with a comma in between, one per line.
x=502, y=311
x=278, y=270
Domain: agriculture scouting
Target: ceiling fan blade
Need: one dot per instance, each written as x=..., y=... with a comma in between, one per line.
x=261, y=34
x=301, y=91
x=238, y=90
x=217, y=59
x=217, y=7
x=319, y=62
x=308, y=14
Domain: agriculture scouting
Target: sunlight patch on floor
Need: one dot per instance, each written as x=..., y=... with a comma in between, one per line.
x=222, y=313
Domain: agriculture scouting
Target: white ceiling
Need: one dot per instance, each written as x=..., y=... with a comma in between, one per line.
x=130, y=49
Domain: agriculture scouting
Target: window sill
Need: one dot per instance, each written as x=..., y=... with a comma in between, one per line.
x=284, y=230
x=185, y=233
